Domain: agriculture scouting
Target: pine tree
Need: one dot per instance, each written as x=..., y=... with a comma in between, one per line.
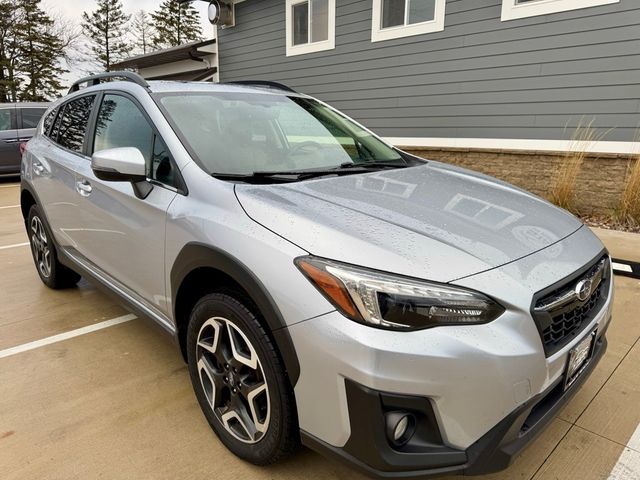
x=31, y=52
x=106, y=28
x=175, y=24
x=40, y=52
x=142, y=31
x=10, y=21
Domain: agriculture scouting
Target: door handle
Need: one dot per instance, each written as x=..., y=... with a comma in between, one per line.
x=84, y=188
x=37, y=168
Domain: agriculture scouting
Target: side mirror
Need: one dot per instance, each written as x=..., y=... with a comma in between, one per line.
x=124, y=164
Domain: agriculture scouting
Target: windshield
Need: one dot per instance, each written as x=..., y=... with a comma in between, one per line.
x=243, y=133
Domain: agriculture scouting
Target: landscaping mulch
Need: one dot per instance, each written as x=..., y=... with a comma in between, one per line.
x=611, y=224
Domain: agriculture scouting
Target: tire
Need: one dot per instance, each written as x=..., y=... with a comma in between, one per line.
x=52, y=273
x=256, y=421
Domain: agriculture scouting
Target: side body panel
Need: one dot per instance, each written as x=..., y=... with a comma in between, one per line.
x=123, y=235
x=51, y=171
x=212, y=215
x=209, y=229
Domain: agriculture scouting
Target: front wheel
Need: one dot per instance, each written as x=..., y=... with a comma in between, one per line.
x=52, y=273
x=239, y=380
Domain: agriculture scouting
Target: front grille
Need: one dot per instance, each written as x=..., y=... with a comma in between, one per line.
x=563, y=324
x=558, y=312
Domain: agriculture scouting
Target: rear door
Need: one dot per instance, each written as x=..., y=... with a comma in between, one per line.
x=123, y=235
x=9, y=144
x=55, y=160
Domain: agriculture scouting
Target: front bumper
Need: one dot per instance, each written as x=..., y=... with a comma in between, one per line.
x=369, y=451
x=489, y=389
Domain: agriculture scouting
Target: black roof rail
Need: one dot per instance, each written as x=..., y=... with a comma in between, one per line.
x=101, y=77
x=263, y=83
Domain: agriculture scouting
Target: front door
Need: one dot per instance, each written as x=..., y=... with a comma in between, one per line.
x=124, y=235
x=9, y=145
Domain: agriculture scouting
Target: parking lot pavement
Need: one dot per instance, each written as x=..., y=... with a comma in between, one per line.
x=32, y=311
x=622, y=245
x=11, y=226
x=117, y=403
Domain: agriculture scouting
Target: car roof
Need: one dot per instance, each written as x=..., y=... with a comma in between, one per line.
x=26, y=104
x=167, y=86
x=174, y=86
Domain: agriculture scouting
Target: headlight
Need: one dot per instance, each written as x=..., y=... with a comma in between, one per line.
x=395, y=302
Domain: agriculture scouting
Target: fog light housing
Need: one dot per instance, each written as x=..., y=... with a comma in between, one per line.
x=400, y=427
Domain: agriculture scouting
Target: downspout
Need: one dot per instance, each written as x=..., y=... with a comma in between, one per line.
x=200, y=59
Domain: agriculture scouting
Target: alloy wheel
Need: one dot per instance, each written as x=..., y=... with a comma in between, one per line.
x=40, y=247
x=233, y=380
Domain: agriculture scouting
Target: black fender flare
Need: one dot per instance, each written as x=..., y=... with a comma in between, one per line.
x=197, y=255
x=26, y=187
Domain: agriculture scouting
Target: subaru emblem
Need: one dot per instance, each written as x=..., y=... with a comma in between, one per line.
x=583, y=289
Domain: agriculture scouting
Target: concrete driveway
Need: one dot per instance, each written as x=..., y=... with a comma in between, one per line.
x=116, y=403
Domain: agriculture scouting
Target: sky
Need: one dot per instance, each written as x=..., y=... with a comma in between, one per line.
x=72, y=10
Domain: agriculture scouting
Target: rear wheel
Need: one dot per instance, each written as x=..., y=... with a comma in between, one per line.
x=239, y=380
x=52, y=273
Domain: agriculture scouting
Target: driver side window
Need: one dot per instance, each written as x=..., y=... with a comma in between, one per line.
x=120, y=123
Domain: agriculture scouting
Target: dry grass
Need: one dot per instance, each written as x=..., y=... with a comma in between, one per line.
x=628, y=212
x=562, y=190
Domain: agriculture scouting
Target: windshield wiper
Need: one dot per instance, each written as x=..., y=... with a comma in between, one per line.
x=251, y=178
x=286, y=176
x=375, y=165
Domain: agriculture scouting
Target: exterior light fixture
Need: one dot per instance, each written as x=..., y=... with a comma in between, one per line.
x=219, y=13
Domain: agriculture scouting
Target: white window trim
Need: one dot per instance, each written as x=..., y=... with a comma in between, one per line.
x=379, y=34
x=625, y=148
x=511, y=11
x=311, y=47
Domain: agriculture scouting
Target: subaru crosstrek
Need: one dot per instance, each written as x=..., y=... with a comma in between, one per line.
x=409, y=317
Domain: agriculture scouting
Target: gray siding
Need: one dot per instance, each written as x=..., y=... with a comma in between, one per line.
x=536, y=78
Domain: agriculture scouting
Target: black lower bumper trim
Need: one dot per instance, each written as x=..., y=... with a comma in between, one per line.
x=340, y=454
x=368, y=450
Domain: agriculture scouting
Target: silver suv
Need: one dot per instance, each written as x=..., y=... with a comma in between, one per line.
x=406, y=316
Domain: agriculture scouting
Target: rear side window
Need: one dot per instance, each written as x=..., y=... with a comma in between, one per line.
x=72, y=125
x=53, y=135
x=31, y=116
x=5, y=119
x=48, y=121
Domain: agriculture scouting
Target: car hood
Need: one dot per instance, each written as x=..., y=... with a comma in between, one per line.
x=432, y=221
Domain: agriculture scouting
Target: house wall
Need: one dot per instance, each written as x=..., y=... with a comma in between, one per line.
x=535, y=78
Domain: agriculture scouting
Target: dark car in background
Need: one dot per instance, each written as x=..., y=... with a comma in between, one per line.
x=18, y=122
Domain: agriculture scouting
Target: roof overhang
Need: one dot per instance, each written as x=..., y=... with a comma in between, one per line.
x=188, y=51
x=199, y=75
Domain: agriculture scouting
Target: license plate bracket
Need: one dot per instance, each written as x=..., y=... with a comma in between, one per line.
x=579, y=358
